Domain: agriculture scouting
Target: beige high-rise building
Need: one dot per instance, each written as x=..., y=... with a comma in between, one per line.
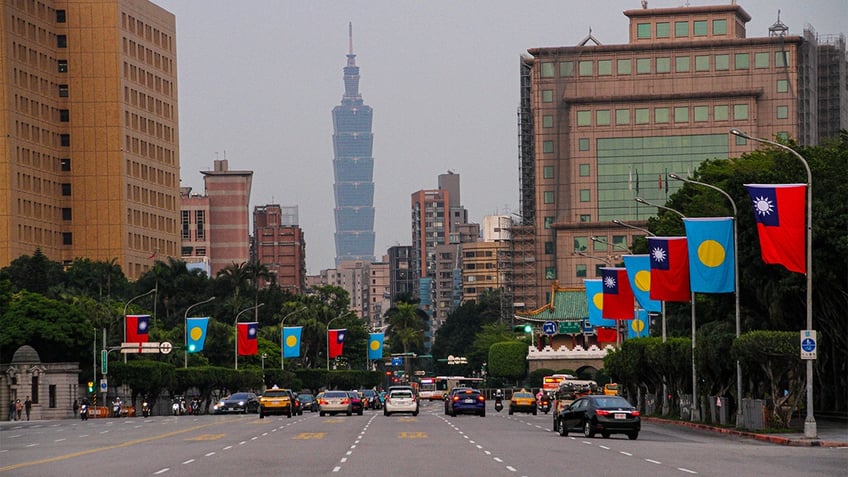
x=89, y=156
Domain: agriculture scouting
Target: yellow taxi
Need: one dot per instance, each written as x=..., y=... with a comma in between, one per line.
x=611, y=389
x=276, y=401
x=522, y=401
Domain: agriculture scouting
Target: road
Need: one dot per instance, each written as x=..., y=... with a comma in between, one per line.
x=429, y=444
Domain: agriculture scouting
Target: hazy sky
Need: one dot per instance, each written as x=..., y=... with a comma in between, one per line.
x=258, y=80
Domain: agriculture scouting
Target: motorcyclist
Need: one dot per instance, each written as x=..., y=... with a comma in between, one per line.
x=499, y=394
x=116, y=406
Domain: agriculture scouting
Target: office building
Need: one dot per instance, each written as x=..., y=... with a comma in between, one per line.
x=401, y=272
x=279, y=245
x=89, y=152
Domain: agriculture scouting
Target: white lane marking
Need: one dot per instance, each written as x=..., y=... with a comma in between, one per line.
x=242, y=443
x=686, y=470
x=254, y=438
x=188, y=461
x=479, y=446
x=625, y=453
x=511, y=468
x=604, y=447
x=653, y=461
x=228, y=447
x=337, y=468
x=344, y=459
x=162, y=471
x=497, y=459
x=210, y=454
x=487, y=452
x=348, y=452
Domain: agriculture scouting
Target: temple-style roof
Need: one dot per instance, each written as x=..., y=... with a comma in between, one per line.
x=567, y=304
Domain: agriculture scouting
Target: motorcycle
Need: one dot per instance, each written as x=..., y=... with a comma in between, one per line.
x=178, y=406
x=545, y=404
x=194, y=409
x=498, y=404
x=145, y=408
x=116, y=408
x=83, y=410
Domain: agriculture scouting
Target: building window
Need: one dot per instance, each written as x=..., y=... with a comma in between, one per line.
x=624, y=67
x=619, y=242
x=782, y=86
x=581, y=244
x=585, y=195
x=598, y=267
x=664, y=65
x=584, y=170
x=782, y=136
x=547, y=147
x=622, y=116
x=63, y=66
x=740, y=112
x=61, y=41
x=741, y=141
x=699, y=28
x=550, y=273
x=584, y=118
x=681, y=29
x=583, y=143
x=720, y=113
x=566, y=69
x=722, y=62
x=580, y=270
x=65, y=140
x=547, y=70
x=761, y=60
x=63, y=91
x=65, y=164
x=681, y=114
x=547, y=96
x=66, y=213
x=547, y=121
x=549, y=248
x=604, y=67
x=66, y=189
x=782, y=112
x=51, y=396
x=663, y=30
x=585, y=68
x=781, y=59
x=585, y=218
x=720, y=28
x=643, y=115
x=602, y=117
x=548, y=197
x=702, y=63
x=64, y=115
x=661, y=115
x=67, y=238
x=700, y=113
x=549, y=221
x=742, y=62
x=61, y=17
x=643, y=66
x=681, y=64
x=643, y=30
x=548, y=172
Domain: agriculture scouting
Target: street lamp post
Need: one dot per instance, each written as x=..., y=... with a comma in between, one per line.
x=185, y=321
x=695, y=404
x=328, y=338
x=235, y=325
x=282, y=344
x=810, y=422
x=125, y=314
x=739, y=416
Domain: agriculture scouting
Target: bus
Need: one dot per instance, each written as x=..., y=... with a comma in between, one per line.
x=436, y=388
x=551, y=383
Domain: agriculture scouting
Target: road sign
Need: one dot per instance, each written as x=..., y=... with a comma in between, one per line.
x=104, y=386
x=549, y=328
x=570, y=327
x=588, y=329
x=808, y=344
x=151, y=347
x=165, y=347
x=104, y=360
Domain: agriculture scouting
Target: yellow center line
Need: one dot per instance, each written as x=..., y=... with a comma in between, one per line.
x=102, y=449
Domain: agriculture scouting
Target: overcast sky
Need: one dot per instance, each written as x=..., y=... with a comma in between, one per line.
x=258, y=80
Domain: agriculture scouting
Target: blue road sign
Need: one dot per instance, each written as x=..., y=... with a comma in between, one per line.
x=808, y=345
x=549, y=328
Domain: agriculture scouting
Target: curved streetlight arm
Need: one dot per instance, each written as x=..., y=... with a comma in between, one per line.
x=624, y=224
x=643, y=201
x=582, y=254
x=621, y=247
x=185, y=321
x=125, y=313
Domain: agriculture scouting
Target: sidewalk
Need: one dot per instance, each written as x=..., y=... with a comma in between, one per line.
x=829, y=433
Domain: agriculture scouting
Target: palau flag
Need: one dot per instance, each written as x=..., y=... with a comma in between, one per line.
x=618, y=297
x=196, y=334
x=137, y=328
x=375, y=346
x=247, y=342
x=640, y=326
x=780, y=211
x=335, y=342
x=711, y=254
x=639, y=272
x=669, y=268
x=595, y=298
x=291, y=341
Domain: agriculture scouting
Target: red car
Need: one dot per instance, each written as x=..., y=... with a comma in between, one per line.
x=356, y=402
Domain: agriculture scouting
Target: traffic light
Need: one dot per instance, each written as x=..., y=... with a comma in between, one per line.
x=523, y=328
x=91, y=386
x=191, y=348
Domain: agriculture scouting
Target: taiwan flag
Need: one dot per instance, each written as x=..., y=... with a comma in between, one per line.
x=247, y=342
x=618, y=297
x=669, y=268
x=137, y=328
x=196, y=337
x=335, y=340
x=291, y=341
x=375, y=346
x=780, y=213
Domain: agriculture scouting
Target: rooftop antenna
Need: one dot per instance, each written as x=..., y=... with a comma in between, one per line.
x=350, y=36
x=778, y=29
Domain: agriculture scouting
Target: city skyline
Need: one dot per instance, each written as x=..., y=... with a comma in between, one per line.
x=442, y=78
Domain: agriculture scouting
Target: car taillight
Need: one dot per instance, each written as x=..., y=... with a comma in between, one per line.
x=602, y=412
x=635, y=413
x=322, y=401
x=345, y=401
x=481, y=398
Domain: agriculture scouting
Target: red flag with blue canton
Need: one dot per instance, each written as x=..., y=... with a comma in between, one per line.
x=780, y=213
x=669, y=268
x=137, y=328
x=618, y=297
x=247, y=342
x=336, y=342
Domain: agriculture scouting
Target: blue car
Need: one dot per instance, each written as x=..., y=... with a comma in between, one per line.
x=467, y=401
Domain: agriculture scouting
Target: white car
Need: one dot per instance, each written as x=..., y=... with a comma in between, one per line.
x=400, y=400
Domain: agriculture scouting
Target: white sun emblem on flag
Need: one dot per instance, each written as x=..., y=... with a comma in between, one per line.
x=142, y=325
x=658, y=254
x=609, y=282
x=251, y=331
x=763, y=206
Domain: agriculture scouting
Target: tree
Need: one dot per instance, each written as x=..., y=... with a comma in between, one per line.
x=406, y=328
x=508, y=360
x=36, y=273
x=57, y=330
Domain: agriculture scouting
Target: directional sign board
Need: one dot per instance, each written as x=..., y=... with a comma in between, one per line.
x=570, y=327
x=549, y=328
x=151, y=347
x=808, y=344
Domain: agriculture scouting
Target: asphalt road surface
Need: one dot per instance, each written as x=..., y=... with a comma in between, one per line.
x=430, y=444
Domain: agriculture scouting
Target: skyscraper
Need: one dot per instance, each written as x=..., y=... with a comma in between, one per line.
x=353, y=169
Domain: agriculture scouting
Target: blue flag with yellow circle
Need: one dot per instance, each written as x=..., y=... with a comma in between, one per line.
x=375, y=346
x=711, y=254
x=595, y=299
x=196, y=334
x=639, y=274
x=291, y=341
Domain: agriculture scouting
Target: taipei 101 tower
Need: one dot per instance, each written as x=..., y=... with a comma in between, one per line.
x=353, y=168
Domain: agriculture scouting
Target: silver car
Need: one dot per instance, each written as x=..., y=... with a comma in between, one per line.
x=334, y=402
x=400, y=400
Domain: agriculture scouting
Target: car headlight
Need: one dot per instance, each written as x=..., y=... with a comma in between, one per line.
x=241, y=403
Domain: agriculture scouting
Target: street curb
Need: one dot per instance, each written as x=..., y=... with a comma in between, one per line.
x=771, y=438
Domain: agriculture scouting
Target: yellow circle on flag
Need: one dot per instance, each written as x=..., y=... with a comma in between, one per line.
x=711, y=253
x=638, y=325
x=375, y=345
x=642, y=280
x=196, y=333
x=291, y=341
x=598, y=300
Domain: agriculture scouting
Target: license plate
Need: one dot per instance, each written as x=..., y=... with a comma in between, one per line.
x=469, y=401
x=620, y=415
